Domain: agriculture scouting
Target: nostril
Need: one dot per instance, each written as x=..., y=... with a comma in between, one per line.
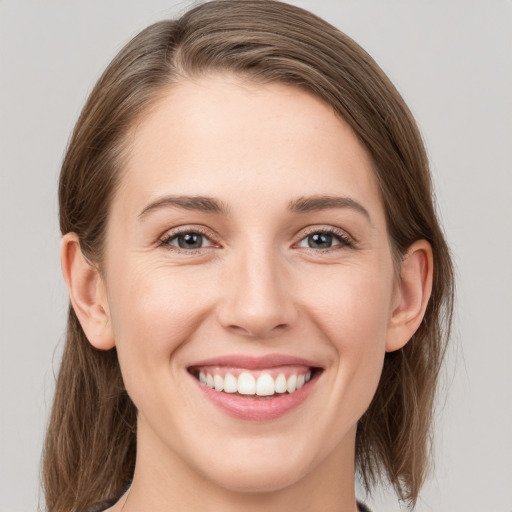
x=238, y=329
x=258, y=331
x=258, y=315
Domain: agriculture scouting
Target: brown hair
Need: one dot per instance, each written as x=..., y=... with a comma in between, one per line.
x=90, y=446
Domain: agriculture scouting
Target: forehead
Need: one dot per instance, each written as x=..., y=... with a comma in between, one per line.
x=224, y=137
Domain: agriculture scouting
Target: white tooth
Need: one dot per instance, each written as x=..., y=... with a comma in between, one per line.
x=280, y=384
x=301, y=379
x=218, y=382
x=246, y=384
x=202, y=377
x=209, y=381
x=291, y=383
x=308, y=376
x=265, y=385
x=230, y=384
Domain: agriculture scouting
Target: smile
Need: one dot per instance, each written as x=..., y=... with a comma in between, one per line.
x=264, y=383
x=255, y=389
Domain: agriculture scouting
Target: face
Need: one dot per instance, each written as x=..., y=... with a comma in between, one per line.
x=250, y=284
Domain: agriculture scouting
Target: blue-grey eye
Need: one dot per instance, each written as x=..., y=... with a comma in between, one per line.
x=325, y=240
x=187, y=240
x=320, y=240
x=190, y=240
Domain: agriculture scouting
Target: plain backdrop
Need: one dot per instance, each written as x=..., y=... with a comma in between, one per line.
x=451, y=60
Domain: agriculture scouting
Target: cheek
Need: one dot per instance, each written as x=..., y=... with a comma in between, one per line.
x=353, y=318
x=152, y=316
x=354, y=308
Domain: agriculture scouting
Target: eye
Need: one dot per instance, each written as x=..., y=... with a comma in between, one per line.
x=325, y=239
x=187, y=240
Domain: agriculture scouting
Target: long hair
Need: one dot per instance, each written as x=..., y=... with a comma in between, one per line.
x=90, y=445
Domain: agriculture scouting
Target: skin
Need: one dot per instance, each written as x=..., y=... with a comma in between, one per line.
x=254, y=288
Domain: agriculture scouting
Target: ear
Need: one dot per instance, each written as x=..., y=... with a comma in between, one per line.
x=87, y=292
x=412, y=295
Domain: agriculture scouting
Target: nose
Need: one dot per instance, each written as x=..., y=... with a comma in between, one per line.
x=258, y=296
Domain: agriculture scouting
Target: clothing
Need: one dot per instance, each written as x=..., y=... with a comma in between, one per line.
x=103, y=505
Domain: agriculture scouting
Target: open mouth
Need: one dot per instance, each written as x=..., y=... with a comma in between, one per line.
x=259, y=384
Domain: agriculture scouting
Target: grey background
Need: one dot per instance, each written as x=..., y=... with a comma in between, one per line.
x=452, y=61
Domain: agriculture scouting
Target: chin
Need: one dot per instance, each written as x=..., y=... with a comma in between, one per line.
x=255, y=476
x=264, y=464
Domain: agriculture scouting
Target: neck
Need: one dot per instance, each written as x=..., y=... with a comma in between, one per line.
x=165, y=482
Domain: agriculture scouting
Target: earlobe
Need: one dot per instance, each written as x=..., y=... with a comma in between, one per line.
x=412, y=295
x=87, y=293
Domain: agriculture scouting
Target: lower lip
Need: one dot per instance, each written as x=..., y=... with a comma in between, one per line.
x=257, y=409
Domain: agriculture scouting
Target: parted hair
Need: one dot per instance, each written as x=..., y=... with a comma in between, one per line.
x=90, y=447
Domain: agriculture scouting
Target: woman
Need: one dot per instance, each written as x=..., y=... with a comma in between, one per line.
x=260, y=290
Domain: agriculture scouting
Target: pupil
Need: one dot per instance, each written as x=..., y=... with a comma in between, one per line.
x=190, y=241
x=320, y=241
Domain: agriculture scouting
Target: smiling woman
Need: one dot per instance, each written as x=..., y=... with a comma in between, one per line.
x=260, y=290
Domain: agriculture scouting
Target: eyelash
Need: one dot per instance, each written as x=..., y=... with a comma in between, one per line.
x=341, y=236
x=169, y=237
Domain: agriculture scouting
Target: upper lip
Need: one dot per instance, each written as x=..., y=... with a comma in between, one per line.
x=255, y=363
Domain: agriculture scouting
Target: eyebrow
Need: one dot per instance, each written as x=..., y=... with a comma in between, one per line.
x=322, y=202
x=302, y=204
x=197, y=203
